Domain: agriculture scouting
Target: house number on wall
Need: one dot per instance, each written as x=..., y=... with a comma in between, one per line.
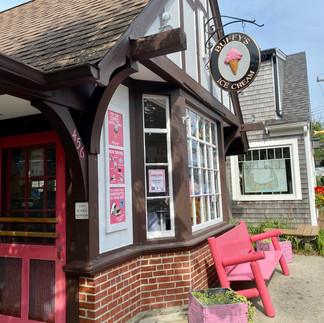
x=78, y=144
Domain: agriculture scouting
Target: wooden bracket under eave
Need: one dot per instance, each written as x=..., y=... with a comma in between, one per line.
x=251, y=126
x=160, y=44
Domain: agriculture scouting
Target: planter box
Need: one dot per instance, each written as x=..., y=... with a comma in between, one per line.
x=228, y=313
x=284, y=245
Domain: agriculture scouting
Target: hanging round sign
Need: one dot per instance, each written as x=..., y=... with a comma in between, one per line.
x=235, y=61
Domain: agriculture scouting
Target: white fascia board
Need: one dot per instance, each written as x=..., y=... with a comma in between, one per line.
x=298, y=128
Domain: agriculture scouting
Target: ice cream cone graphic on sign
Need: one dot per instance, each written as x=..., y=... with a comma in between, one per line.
x=115, y=131
x=232, y=58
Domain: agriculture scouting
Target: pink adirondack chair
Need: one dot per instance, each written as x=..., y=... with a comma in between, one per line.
x=236, y=260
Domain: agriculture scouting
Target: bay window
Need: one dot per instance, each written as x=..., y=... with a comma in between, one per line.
x=204, y=179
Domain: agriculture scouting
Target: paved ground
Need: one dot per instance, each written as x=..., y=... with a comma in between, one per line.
x=296, y=298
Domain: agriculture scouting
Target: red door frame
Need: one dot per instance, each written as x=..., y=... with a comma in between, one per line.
x=26, y=252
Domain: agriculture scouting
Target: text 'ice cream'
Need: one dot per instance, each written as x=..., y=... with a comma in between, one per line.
x=232, y=58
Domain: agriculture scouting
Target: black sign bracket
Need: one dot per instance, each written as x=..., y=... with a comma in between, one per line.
x=211, y=30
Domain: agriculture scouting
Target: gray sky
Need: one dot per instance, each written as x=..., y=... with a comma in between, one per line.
x=290, y=25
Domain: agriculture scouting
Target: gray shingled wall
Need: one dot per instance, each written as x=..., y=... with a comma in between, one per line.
x=259, y=100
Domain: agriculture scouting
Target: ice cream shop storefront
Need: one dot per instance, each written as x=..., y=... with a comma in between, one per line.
x=113, y=138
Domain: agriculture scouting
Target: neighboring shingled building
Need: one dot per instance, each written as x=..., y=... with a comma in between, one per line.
x=276, y=178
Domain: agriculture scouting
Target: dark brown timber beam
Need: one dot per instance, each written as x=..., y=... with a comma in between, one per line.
x=251, y=126
x=160, y=44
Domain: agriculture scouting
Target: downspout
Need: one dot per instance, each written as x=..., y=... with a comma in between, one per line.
x=310, y=174
x=276, y=85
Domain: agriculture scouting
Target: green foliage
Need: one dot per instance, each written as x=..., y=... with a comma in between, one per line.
x=208, y=298
x=319, y=242
x=280, y=223
x=318, y=153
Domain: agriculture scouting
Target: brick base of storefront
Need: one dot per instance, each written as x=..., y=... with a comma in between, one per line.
x=143, y=284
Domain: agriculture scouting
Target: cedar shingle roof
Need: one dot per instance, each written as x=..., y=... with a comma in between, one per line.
x=55, y=34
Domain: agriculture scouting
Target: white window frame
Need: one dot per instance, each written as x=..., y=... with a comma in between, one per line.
x=214, y=191
x=295, y=170
x=171, y=232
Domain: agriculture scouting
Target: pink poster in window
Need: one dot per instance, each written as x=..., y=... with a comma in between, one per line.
x=117, y=205
x=156, y=180
x=115, y=128
x=116, y=166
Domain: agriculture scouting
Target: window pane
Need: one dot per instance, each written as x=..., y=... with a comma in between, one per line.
x=216, y=183
x=17, y=195
x=155, y=113
x=255, y=154
x=202, y=155
x=203, y=182
x=286, y=152
x=36, y=162
x=215, y=158
x=156, y=148
x=190, y=182
x=201, y=127
x=196, y=181
x=209, y=158
x=192, y=210
x=10, y=286
x=189, y=153
x=51, y=161
x=240, y=157
x=207, y=130
x=278, y=152
x=263, y=154
x=36, y=194
x=213, y=134
x=211, y=182
x=212, y=207
x=51, y=194
x=198, y=210
x=193, y=123
x=18, y=163
x=194, y=153
x=158, y=215
x=204, y=208
x=271, y=154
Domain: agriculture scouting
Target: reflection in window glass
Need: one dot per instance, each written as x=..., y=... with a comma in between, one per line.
x=193, y=123
x=36, y=162
x=270, y=173
x=18, y=163
x=203, y=179
x=154, y=113
x=207, y=130
x=156, y=148
x=158, y=215
x=200, y=127
x=194, y=155
x=31, y=192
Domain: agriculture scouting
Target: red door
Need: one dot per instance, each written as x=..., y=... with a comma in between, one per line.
x=32, y=229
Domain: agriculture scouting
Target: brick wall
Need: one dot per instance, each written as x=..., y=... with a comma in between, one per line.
x=146, y=283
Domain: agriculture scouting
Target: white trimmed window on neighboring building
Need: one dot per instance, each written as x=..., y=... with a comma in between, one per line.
x=269, y=171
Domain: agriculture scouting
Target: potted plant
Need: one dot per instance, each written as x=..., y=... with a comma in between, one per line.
x=219, y=305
